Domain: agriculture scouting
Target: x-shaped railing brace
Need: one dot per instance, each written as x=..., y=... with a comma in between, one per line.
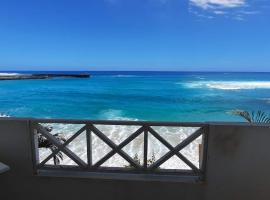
x=175, y=150
x=61, y=146
x=116, y=148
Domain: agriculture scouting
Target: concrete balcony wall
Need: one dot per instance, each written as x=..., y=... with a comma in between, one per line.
x=238, y=167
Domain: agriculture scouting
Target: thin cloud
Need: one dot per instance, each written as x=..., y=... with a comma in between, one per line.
x=219, y=12
x=246, y=12
x=211, y=4
x=231, y=9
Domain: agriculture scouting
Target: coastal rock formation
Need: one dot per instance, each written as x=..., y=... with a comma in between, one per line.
x=13, y=76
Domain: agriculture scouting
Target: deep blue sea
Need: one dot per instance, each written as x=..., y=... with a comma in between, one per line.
x=162, y=96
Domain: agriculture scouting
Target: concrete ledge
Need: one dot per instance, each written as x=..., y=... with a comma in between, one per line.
x=120, y=176
x=237, y=168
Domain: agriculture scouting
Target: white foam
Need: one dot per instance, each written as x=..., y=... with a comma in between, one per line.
x=4, y=115
x=117, y=134
x=267, y=100
x=113, y=114
x=229, y=85
x=9, y=74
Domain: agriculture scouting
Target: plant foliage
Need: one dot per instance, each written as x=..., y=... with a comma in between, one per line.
x=150, y=161
x=43, y=142
x=253, y=117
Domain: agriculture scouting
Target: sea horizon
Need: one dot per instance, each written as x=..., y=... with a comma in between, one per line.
x=129, y=71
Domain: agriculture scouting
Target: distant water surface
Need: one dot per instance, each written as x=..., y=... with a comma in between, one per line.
x=162, y=96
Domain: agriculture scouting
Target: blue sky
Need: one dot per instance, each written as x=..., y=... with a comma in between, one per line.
x=178, y=35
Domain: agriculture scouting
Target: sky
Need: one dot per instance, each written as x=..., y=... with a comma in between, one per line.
x=169, y=35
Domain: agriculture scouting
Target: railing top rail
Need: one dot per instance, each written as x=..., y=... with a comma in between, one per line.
x=138, y=123
x=121, y=122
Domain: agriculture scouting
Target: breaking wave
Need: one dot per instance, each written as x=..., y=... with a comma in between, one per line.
x=9, y=74
x=229, y=85
x=113, y=114
x=4, y=115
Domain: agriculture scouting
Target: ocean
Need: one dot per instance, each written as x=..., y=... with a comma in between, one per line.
x=155, y=96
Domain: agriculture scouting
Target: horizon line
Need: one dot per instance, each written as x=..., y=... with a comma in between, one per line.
x=209, y=71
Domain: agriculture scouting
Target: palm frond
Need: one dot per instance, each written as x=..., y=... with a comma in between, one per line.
x=253, y=117
x=43, y=142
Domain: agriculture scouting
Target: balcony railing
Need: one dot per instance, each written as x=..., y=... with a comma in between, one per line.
x=121, y=149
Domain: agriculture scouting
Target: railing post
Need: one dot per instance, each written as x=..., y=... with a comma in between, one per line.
x=145, y=150
x=34, y=146
x=89, y=145
x=204, y=152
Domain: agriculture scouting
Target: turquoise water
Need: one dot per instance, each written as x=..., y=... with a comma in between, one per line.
x=163, y=96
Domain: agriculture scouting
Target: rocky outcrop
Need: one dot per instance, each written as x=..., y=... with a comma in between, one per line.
x=43, y=76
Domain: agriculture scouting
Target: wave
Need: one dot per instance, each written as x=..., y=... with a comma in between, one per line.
x=4, y=115
x=113, y=114
x=267, y=100
x=9, y=74
x=121, y=76
x=229, y=85
x=200, y=77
